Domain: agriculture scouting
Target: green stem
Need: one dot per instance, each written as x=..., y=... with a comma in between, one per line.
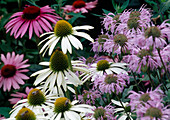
x=71, y=68
x=38, y=47
x=135, y=81
x=123, y=107
x=160, y=81
x=152, y=82
x=19, y=4
x=163, y=64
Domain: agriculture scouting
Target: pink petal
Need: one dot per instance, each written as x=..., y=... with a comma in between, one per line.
x=35, y=28
x=25, y=27
x=3, y=58
x=30, y=30
x=43, y=25
x=15, y=85
x=46, y=22
x=49, y=18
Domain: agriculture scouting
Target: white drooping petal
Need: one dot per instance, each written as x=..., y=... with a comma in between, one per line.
x=75, y=42
x=84, y=27
x=41, y=77
x=84, y=35
x=63, y=46
x=53, y=45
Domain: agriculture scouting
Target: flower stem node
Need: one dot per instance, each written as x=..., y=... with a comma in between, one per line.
x=58, y=61
x=25, y=114
x=62, y=104
x=62, y=28
x=36, y=97
x=103, y=65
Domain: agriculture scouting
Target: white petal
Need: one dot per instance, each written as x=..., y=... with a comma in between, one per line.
x=84, y=35
x=52, y=80
x=58, y=116
x=41, y=77
x=52, y=46
x=44, y=63
x=116, y=102
x=46, y=34
x=63, y=46
x=46, y=39
x=40, y=71
x=47, y=44
x=85, y=110
x=59, y=79
x=84, y=27
x=118, y=70
x=73, y=115
x=71, y=89
x=68, y=45
x=75, y=42
x=123, y=117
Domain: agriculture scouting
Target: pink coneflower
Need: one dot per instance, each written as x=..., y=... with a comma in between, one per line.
x=89, y=97
x=80, y=6
x=102, y=113
x=11, y=73
x=154, y=111
x=18, y=96
x=32, y=18
x=111, y=83
x=139, y=99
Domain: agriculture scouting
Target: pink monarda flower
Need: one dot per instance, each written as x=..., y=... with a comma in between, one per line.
x=98, y=44
x=139, y=99
x=80, y=6
x=102, y=113
x=111, y=83
x=154, y=111
x=18, y=96
x=32, y=18
x=11, y=73
x=119, y=43
x=141, y=59
x=89, y=97
x=134, y=20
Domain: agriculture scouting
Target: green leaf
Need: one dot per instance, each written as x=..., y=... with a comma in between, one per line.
x=124, y=6
x=5, y=111
x=6, y=47
x=164, y=6
x=106, y=11
x=75, y=17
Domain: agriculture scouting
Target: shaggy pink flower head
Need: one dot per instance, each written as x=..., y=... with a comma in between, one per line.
x=137, y=100
x=11, y=73
x=80, y=6
x=32, y=18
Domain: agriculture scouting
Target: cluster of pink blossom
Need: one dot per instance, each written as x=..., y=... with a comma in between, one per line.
x=149, y=105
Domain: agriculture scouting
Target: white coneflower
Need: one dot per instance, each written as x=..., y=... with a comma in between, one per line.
x=27, y=114
x=64, y=31
x=63, y=108
x=58, y=74
x=103, y=66
x=37, y=101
